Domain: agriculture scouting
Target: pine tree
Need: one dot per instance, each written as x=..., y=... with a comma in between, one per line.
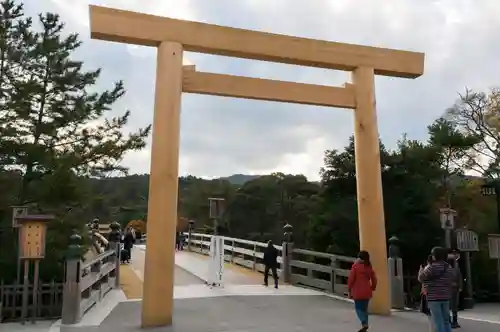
x=14, y=36
x=53, y=129
x=53, y=108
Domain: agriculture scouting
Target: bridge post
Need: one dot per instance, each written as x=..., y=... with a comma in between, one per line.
x=232, y=251
x=335, y=265
x=396, y=279
x=71, y=289
x=286, y=252
x=114, y=244
x=190, y=232
x=254, y=266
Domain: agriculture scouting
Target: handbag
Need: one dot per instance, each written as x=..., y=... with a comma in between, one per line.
x=424, y=305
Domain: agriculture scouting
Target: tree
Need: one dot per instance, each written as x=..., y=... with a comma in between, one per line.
x=261, y=207
x=477, y=115
x=15, y=40
x=53, y=130
x=52, y=109
x=409, y=174
x=452, y=146
x=137, y=225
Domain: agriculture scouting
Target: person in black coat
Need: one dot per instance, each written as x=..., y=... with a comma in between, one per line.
x=271, y=263
x=128, y=243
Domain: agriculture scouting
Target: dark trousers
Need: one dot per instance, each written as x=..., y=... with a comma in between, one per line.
x=454, y=306
x=273, y=271
x=129, y=249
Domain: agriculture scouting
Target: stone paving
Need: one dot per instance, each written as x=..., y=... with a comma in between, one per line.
x=243, y=305
x=181, y=276
x=316, y=313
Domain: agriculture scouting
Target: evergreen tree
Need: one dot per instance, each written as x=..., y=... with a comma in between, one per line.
x=14, y=36
x=54, y=133
x=53, y=110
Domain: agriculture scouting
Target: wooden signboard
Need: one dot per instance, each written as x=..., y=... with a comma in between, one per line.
x=33, y=230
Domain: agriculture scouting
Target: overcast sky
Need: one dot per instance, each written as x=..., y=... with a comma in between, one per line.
x=222, y=136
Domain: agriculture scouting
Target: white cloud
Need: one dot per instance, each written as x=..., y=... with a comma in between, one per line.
x=223, y=136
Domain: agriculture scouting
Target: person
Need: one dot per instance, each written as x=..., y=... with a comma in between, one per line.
x=128, y=243
x=178, y=241
x=361, y=283
x=181, y=241
x=424, y=305
x=453, y=258
x=271, y=263
x=437, y=279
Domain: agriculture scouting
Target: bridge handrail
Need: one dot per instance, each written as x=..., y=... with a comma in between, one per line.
x=324, y=255
x=329, y=275
x=324, y=271
x=227, y=238
x=98, y=258
x=88, y=282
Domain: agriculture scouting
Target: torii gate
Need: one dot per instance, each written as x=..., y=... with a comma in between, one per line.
x=171, y=37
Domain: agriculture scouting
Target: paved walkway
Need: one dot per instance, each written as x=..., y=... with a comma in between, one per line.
x=243, y=305
x=316, y=313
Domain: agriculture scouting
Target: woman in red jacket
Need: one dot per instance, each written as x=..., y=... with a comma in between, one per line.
x=362, y=282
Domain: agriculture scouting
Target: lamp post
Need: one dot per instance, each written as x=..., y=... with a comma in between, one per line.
x=396, y=280
x=288, y=234
x=190, y=232
x=287, y=250
x=216, y=210
x=447, y=217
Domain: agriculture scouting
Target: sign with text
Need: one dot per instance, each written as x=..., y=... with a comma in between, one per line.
x=467, y=240
x=494, y=245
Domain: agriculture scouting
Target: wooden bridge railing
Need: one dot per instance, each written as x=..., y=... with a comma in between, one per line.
x=323, y=271
x=86, y=283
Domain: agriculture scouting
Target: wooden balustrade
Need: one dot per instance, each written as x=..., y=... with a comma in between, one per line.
x=87, y=283
x=240, y=252
x=322, y=271
x=327, y=272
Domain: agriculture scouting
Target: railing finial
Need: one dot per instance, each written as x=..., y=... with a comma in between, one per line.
x=74, y=248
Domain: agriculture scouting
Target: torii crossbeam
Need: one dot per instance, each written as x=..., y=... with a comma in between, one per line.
x=171, y=37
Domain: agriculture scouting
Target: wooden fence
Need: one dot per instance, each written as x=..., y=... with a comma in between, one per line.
x=48, y=306
x=322, y=271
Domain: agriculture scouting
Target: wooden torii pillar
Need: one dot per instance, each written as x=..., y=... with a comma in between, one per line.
x=171, y=37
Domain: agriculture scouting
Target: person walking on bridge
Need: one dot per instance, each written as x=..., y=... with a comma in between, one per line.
x=361, y=283
x=128, y=244
x=438, y=279
x=271, y=263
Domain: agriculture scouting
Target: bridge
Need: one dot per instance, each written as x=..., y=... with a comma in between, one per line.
x=313, y=300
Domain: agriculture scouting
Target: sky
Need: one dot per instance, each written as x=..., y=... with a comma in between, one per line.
x=223, y=136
